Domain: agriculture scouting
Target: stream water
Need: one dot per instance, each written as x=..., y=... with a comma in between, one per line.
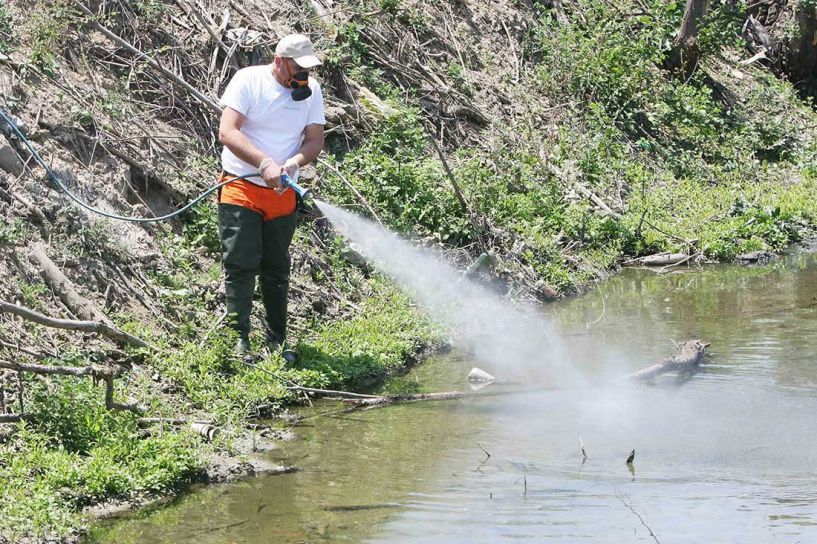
x=728, y=455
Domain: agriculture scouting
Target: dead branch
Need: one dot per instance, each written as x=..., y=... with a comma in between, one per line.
x=640, y=518
x=52, y=370
x=107, y=374
x=662, y=259
x=169, y=420
x=690, y=354
x=104, y=329
x=110, y=404
x=14, y=418
x=21, y=349
x=391, y=399
x=593, y=197
x=346, y=395
x=460, y=196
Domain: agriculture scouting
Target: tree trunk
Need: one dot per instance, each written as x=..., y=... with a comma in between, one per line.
x=685, y=51
x=803, y=64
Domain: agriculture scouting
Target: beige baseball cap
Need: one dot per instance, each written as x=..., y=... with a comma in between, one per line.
x=299, y=48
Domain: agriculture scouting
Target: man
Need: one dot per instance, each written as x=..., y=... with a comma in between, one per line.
x=272, y=123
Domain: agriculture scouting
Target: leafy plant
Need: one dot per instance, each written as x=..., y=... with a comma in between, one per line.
x=7, y=37
x=48, y=29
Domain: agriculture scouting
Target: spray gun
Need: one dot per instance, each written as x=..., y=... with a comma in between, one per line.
x=288, y=182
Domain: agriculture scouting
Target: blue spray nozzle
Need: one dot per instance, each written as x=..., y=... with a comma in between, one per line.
x=287, y=181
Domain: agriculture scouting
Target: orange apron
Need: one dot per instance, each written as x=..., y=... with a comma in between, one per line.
x=264, y=200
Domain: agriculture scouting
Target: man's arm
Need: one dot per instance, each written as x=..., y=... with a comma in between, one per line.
x=312, y=145
x=230, y=135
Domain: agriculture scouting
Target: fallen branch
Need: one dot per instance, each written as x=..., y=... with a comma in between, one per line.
x=14, y=418
x=595, y=199
x=58, y=370
x=205, y=429
x=691, y=256
x=104, y=329
x=106, y=374
x=346, y=395
x=380, y=401
x=359, y=398
x=641, y=519
x=689, y=357
x=110, y=404
x=460, y=196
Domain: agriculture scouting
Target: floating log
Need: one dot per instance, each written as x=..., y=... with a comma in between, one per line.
x=380, y=401
x=688, y=357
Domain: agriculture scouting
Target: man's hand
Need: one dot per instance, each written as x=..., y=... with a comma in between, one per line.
x=291, y=167
x=271, y=174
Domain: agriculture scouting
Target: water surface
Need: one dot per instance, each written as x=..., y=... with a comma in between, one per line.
x=728, y=455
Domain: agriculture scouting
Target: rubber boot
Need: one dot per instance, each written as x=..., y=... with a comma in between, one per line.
x=275, y=266
x=241, y=242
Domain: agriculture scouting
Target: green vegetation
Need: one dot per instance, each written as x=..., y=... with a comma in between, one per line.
x=77, y=453
x=392, y=170
x=7, y=38
x=709, y=164
x=48, y=27
x=377, y=342
x=32, y=292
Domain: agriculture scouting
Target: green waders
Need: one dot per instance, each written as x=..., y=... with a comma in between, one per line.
x=250, y=247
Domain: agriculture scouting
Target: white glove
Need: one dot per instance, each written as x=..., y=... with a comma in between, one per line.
x=292, y=168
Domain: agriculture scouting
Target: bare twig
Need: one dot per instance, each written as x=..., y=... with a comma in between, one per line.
x=460, y=196
x=487, y=456
x=641, y=519
x=391, y=399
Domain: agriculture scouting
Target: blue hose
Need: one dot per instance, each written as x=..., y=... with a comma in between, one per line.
x=291, y=183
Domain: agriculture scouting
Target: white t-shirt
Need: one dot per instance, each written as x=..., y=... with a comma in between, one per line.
x=275, y=123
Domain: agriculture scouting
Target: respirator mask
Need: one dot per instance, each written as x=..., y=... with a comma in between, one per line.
x=299, y=83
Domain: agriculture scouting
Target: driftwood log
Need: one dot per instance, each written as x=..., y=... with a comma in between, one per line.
x=689, y=356
x=101, y=373
x=663, y=259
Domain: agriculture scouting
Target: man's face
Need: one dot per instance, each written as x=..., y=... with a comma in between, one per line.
x=293, y=66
